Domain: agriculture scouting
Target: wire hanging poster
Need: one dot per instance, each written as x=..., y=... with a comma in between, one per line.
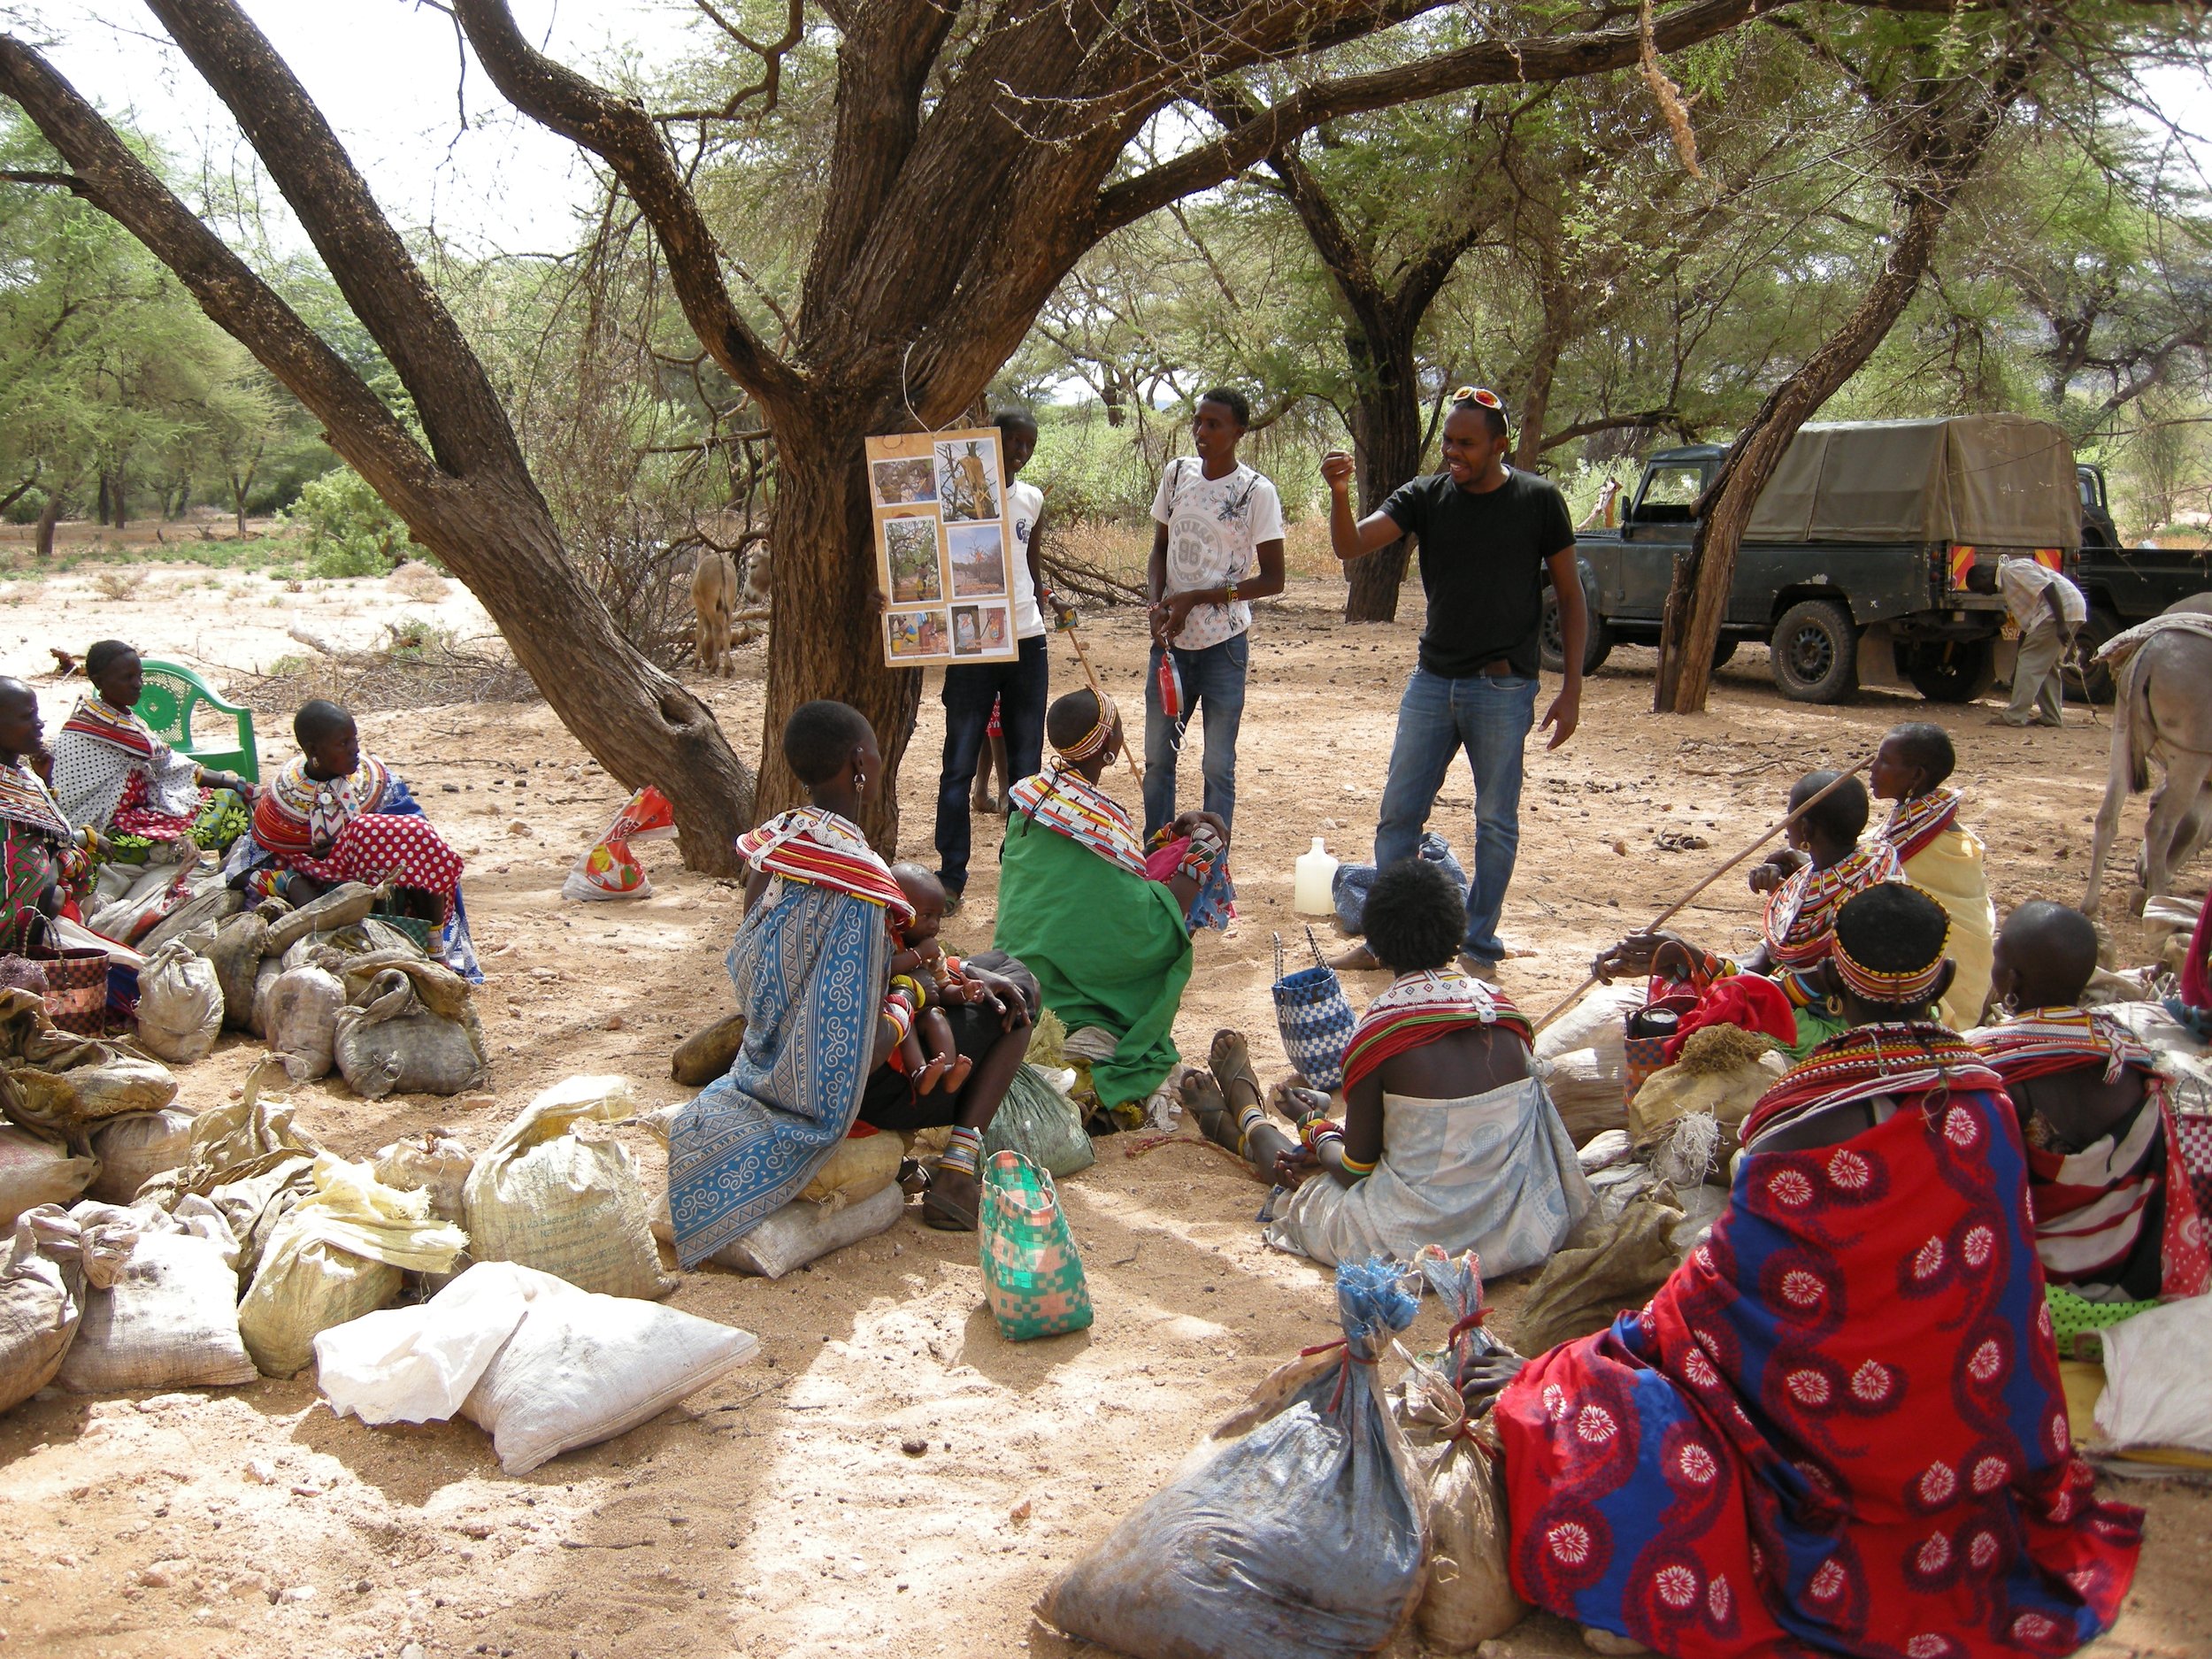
x=944, y=557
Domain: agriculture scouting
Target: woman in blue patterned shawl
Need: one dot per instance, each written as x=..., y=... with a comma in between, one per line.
x=811, y=966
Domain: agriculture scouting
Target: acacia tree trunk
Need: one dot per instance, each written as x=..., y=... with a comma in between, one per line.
x=1386, y=448
x=49, y=516
x=1948, y=128
x=823, y=637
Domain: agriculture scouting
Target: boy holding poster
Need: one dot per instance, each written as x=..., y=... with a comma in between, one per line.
x=1019, y=687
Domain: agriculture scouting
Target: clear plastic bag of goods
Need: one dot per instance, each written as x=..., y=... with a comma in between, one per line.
x=1470, y=1594
x=1040, y=1123
x=339, y=1253
x=858, y=1167
x=132, y=1149
x=2158, y=1378
x=431, y=1161
x=170, y=1317
x=180, y=1003
x=300, y=1020
x=35, y=1170
x=1301, y=1535
x=391, y=1044
x=51, y=1265
x=549, y=1197
x=541, y=1366
x=788, y=1238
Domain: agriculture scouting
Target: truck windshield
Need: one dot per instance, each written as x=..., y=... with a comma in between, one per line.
x=1670, y=492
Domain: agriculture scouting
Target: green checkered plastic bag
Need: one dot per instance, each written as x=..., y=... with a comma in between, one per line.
x=1032, y=1276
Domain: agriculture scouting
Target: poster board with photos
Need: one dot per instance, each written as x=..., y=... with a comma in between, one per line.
x=944, y=551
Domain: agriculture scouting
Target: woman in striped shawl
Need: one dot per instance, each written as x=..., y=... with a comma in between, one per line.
x=113, y=775
x=1448, y=1137
x=2116, y=1224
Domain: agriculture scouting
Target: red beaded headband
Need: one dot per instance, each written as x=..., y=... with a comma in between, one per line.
x=1094, y=739
x=1906, y=988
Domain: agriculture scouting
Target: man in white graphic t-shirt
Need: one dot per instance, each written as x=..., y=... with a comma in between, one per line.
x=1217, y=545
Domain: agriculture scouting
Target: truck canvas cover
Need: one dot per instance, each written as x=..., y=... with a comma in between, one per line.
x=1984, y=481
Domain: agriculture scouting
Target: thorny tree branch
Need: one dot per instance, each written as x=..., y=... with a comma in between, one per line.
x=769, y=88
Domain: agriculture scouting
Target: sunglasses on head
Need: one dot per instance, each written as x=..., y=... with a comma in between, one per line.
x=1481, y=395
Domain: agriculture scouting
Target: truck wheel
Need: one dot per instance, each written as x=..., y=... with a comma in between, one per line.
x=2095, y=684
x=1957, y=671
x=1553, y=650
x=1817, y=652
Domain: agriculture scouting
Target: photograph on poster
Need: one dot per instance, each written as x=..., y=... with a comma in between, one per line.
x=915, y=633
x=978, y=560
x=967, y=632
x=911, y=545
x=994, y=634
x=967, y=479
x=904, y=483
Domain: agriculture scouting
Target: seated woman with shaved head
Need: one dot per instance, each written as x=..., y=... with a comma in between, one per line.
x=338, y=813
x=113, y=775
x=2115, y=1221
x=44, y=863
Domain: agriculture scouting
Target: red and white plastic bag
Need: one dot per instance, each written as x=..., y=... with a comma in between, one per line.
x=609, y=869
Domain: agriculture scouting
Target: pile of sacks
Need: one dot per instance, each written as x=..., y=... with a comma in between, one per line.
x=254, y=1251
x=329, y=985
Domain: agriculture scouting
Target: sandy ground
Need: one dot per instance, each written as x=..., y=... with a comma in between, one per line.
x=776, y=1512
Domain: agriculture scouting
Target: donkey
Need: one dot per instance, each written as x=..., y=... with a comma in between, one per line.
x=2163, y=711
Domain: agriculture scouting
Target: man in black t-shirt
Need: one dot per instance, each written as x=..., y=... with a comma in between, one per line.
x=1487, y=535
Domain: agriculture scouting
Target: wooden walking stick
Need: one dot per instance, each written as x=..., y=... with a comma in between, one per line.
x=1713, y=875
x=1097, y=690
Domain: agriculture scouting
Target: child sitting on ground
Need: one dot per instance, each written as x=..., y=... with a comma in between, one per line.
x=1447, y=1137
x=928, y=1055
x=1939, y=855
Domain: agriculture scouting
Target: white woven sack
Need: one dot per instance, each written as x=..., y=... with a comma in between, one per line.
x=580, y=1369
x=136, y=1147
x=180, y=1003
x=35, y=1171
x=547, y=1198
x=169, y=1320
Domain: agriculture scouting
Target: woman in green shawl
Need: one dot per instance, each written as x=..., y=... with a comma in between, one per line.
x=1106, y=932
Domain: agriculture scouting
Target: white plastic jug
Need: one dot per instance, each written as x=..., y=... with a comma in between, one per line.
x=1309, y=890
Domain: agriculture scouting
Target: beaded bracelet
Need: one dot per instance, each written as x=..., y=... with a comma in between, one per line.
x=912, y=986
x=1357, y=1167
x=1316, y=1129
x=896, y=1009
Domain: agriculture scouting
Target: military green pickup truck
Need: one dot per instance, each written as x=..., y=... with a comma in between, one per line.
x=1853, y=567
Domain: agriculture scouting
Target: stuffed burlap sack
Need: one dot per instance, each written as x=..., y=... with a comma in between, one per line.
x=338, y=1254
x=169, y=1318
x=545, y=1197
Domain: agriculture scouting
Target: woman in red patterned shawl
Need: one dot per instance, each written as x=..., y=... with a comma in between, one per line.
x=337, y=814
x=2116, y=1223
x=1838, y=1428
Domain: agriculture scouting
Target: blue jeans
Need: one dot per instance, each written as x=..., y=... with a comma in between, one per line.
x=1213, y=680
x=1490, y=717
x=1018, y=688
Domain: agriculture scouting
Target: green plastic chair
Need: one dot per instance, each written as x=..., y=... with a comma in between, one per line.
x=173, y=696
